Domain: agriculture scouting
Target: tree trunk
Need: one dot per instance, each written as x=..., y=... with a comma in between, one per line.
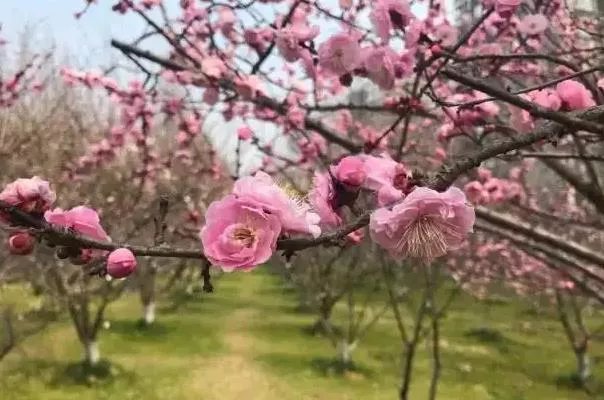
x=91, y=352
x=9, y=341
x=147, y=292
x=345, y=350
x=407, y=370
x=583, y=365
x=149, y=313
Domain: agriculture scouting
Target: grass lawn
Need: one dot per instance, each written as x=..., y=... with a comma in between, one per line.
x=246, y=341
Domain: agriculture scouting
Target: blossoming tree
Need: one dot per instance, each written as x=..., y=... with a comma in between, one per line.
x=520, y=83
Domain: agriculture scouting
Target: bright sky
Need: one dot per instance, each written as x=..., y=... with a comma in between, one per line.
x=52, y=22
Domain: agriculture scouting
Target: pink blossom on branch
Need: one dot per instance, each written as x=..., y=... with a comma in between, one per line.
x=574, y=95
x=238, y=235
x=294, y=214
x=379, y=64
x=390, y=14
x=350, y=171
x=32, y=195
x=532, y=25
x=322, y=198
x=288, y=40
x=81, y=219
x=387, y=177
x=425, y=225
x=121, y=263
x=340, y=54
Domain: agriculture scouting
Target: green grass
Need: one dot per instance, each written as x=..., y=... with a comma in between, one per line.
x=247, y=341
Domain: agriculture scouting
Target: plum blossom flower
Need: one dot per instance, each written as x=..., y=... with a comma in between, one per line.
x=322, y=197
x=249, y=86
x=32, y=195
x=121, y=263
x=238, y=234
x=387, y=177
x=574, y=95
x=293, y=214
x=380, y=66
x=83, y=220
x=288, y=40
x=350, y=171
x=476, y=192
x=546, y=98
x=389, y=14
x=425, y=225
x=244, y=133
x=505, y=8
x=532, y=25
x=447, y=35
x=340, y=54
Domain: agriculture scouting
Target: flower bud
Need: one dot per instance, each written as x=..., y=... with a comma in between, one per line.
x=21, y=243
x=121, y=263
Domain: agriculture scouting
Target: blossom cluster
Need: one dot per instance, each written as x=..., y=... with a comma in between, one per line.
x=241, y=230
x=35, y=197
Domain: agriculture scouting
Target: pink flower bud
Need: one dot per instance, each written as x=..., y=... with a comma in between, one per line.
x=244, y=133
x=121, y=263
x=21, y=243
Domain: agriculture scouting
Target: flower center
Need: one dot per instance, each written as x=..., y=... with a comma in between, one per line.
x=400, y=181
x=245, y=235
x=426, y=238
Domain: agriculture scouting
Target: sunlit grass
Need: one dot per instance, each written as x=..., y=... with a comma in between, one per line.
x=247, y=340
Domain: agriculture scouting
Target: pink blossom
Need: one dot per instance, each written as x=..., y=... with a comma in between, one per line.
x=294, y=214
x=521, y=120
x=476, y=192
x=356, y=237
x=389, y=178
x=388, y=194
x=533, y=24
x=213, y=67
x=21, y=243
x=389, y=14
x=244, y=133
x=288, y=40
x=447, y=35
x=379, y=63
x=574, y=95
x=239, y=235
x=83, y=220
x=249, y=86
x=425, y=225
x=296, y=117
x=506, y=8
x=340, y=54
x=151, y=3
x=546, y=98
x=211, y=96
x=121, y=263
x=350, y=171
x=32, y=195
x=322, y=196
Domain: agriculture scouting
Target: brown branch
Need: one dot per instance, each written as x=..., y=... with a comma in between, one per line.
x=563, y=118
x=259, y=100
x=539, y=234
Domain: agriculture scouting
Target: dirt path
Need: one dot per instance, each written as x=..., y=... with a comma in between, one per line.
x=236, y=375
